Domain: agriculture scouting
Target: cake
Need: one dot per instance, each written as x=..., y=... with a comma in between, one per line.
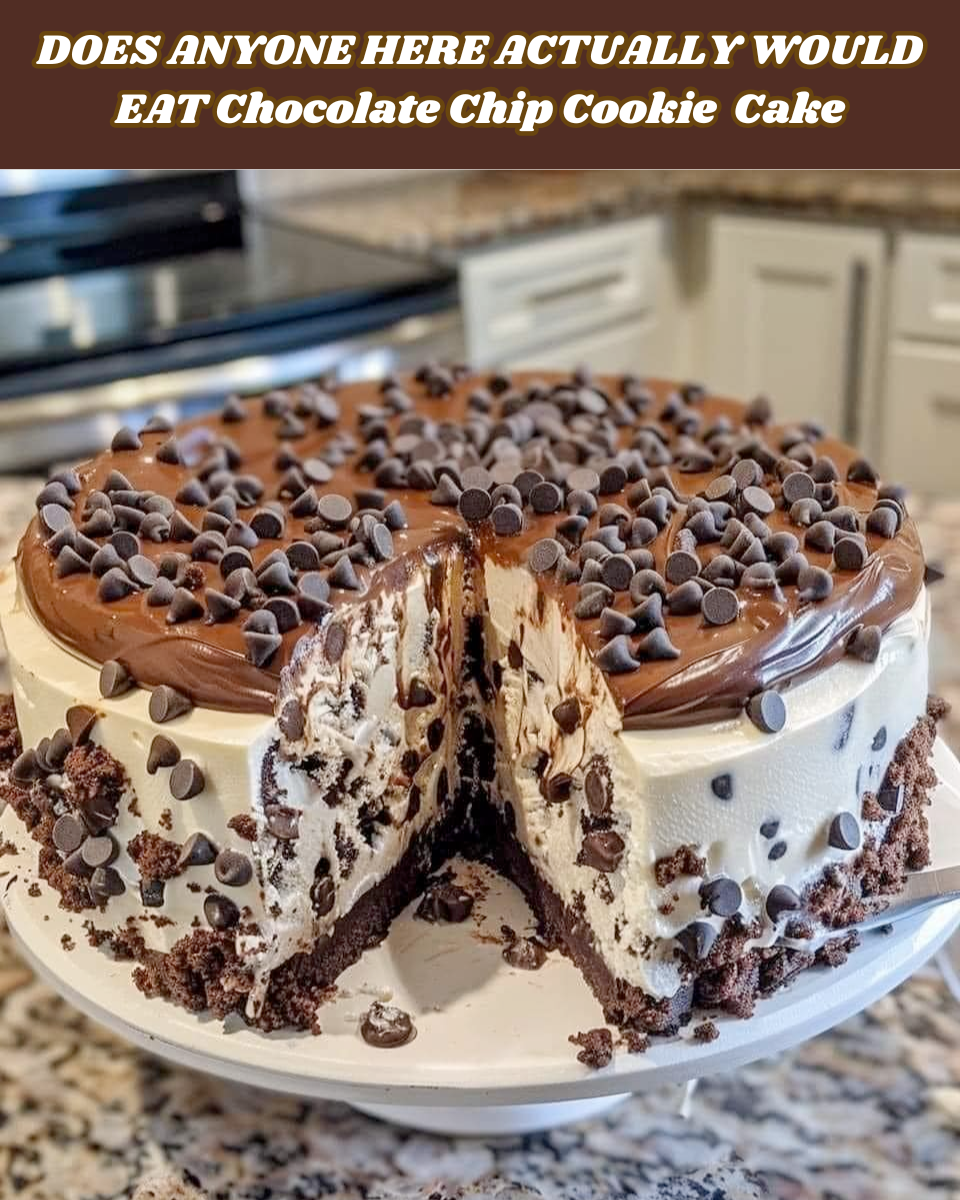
x=658, y=659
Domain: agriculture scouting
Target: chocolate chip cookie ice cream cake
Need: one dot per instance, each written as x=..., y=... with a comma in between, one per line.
x=657, y=658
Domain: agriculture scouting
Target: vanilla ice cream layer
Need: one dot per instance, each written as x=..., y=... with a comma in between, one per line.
x=343, y=776
x=784, y=789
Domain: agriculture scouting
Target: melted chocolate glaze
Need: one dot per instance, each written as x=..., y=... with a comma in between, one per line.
x=774, y=641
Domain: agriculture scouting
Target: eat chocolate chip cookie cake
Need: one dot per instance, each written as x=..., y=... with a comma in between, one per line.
x=661, y=661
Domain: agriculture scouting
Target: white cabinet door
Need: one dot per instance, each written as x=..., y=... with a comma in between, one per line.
x=922, y=418
x=794, y=311
x=632, y=347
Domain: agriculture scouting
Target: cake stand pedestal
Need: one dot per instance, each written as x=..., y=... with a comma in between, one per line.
x=491, y=1053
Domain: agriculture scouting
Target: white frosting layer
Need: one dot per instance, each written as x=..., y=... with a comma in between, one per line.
x=821, y=763
x=347, y=767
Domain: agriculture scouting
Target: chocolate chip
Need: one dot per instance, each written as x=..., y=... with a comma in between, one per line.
x=395, y=516
x=152, y=893
x=475, y=505
x=617, y=571
x=769, y=829
x=821, y=536
x=747, y=473
x=507, y=520
x=220, y=607
x=544, y=555
x=446, y=494
x=882, y=522
x=55, y=750
x=890, y=797
x=344, y=576
x=767, y=711
x=697, y=939
x=55, y=517
x=444, y=901
x=261, y=647
x=184, y=606
x=645, y=583
x=850, y=554
x=98, y=851
x=282, y=822
x=757, y=501
x=115, y=585
x=435, y=732
x=686, y=599
x=798, y=485
x=722, y=896
x=80, y=721
x=597, y=787
x=142, y=570
x=335, y=510
x=125, y=439
x=68, y=834
x=545, y=498
x=780, y=900
x=860, y=471
x=814, y=584
x=616, y=657
x=115, y=679
x=567, y=714
x=602, y=849
x=614, y=623
x=879, y=739
x=166, y=704
x=163, y=753
x=722, y=786
x=69, y=562
x=323, y=894
x=99, y=525
x=777, y=850
x=104, y=883
x=613, y=478
x=292, y=721
x=656, y=646
x=844, y=832
x=386, y=1027
x=267, y=524
x=557, y=787
x=186, y=780
x=419, y=695
x=720, y=606
x=169, y=452
x=161, y=594
x=232, y=868
x=583, y=479
x=865, y=643
x=220, y=912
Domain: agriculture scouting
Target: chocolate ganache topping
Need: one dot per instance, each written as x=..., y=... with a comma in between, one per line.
x=704, y=553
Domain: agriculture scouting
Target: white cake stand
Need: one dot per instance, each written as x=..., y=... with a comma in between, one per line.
x=491, y=1053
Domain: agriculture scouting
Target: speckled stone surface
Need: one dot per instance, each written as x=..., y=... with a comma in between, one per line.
x=869, y=1111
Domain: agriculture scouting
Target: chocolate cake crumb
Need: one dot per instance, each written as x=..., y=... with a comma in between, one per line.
x=7, y=848
x=34, y=890
x=10, y=743
x=597, y=1047
x=634, y=1041
x=706, y=1031
x=836, y=951
x=683, y=861
x=165, y=820
x=156, y=857
x=67, y=942
x=244, y=826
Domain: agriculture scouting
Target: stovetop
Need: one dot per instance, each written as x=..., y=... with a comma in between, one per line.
x=186, y=298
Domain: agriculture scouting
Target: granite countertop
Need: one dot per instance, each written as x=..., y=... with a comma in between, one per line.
x=867, y=1111
x=449, y=215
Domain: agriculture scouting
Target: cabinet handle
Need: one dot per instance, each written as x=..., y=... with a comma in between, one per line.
x=853, y=365
x=580, y=288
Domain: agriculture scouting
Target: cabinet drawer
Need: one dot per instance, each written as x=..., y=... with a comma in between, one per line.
x=927, y=289
x=921, y=436
x=516, y=300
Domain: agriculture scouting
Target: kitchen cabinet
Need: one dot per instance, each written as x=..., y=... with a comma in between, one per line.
x=921, y=415
x=794, y=310
x=591, y=295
